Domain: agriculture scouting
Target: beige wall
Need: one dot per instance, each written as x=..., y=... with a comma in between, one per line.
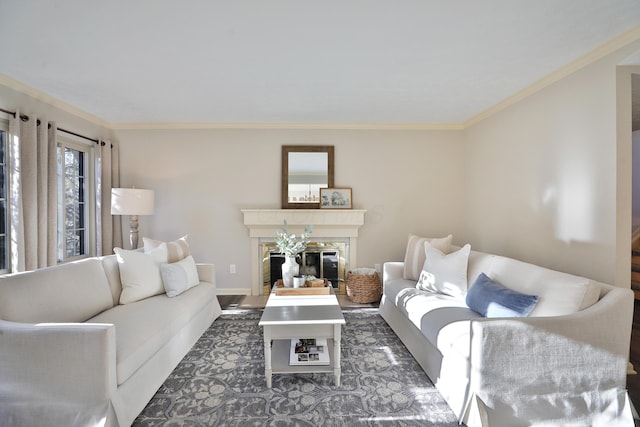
x=546, y=184
x=408, y=181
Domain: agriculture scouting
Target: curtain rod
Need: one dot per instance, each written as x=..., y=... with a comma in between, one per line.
x=25, y=117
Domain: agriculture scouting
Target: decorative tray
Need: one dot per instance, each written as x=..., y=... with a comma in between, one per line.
x=324, y=289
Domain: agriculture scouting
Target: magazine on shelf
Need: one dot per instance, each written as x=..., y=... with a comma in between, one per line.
x=309, y=351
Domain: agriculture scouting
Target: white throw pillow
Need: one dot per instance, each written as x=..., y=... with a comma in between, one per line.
x=140, y=273
x=179, y=276
x=414, y=255
x=444, y=273
x=177, y=249
x=558, y=293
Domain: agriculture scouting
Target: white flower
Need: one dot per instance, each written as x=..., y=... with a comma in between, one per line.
x=290, y=244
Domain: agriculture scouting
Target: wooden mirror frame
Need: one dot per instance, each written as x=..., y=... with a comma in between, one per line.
x=286, y=149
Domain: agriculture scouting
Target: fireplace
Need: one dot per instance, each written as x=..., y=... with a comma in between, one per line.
x=335, y=238
x=322, y=259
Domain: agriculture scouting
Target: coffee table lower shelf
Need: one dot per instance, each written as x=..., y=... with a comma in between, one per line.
x=280, y=352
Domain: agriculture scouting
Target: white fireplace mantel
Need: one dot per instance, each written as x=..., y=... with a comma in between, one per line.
x=327, y=223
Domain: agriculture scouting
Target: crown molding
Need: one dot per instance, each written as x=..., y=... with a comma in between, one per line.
x=598, y=53
x=14, y=84
x=286, y=126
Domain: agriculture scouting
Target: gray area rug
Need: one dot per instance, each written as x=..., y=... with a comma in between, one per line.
x=221, y=382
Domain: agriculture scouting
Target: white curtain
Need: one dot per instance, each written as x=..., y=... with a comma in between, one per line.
x=33, y=195
x=107, y=177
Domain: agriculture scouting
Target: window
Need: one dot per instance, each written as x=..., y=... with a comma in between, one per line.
x=75, y=192
x=4, y=217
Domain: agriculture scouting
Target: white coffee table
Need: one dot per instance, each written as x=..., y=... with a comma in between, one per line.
x=287, y=317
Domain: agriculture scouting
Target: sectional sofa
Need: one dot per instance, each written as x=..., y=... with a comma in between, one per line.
x=557, y=356
x=90, y=342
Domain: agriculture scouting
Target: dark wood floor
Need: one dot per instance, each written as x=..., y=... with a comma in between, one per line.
x=230, y=301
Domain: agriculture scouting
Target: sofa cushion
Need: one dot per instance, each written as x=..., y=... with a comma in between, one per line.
x=140, y=273
x=72, y=292
x=558, y=293
x=437, y=316
x=179, y=276
x=491, y=299
x=438, y=319
x=444, y=273
x=145, y=326
x=176, y=250
x=479, y=262
x=414, y=255
x=111, y=269
x=394, y=287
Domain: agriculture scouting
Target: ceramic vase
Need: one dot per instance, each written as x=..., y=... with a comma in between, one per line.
x=290, y=268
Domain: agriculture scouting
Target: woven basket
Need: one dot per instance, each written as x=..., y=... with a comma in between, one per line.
x=363, y=288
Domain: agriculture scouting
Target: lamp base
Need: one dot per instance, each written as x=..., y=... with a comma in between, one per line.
x=133, y=231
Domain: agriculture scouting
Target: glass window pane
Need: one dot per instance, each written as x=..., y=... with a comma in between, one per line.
x=80, y=160
x=73, y=187
x=81, y=191
x=69, y=197
x=3, y=217
x=80, y=247
x=3, y=193
x=3, y=148
x=3, y=253
x=80, y=216
x=70, y=239
x=69, y=215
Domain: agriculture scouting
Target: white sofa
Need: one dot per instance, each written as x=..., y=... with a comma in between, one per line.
x=563, y=365
x=71, y=355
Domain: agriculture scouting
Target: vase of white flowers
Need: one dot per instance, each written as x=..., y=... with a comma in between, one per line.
x=290, y=268
x=291, y=245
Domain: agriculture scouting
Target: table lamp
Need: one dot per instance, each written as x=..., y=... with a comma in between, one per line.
x=132, y=202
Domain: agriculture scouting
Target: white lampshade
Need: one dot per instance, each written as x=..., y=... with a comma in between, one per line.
x=131, y=201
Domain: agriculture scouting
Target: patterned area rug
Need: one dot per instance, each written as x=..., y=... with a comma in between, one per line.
x=221, y=382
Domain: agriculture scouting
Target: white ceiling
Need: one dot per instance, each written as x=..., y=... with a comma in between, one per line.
x=297, y=61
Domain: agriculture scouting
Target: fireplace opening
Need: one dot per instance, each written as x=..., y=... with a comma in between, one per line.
x=325, y=260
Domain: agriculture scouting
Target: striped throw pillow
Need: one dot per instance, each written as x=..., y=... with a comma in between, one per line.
x=177, y=250
x=414, y=256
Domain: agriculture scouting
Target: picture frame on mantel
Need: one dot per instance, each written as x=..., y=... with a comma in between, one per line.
x=335, y=198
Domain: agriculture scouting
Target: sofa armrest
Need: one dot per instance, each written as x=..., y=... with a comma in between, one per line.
x=57, y=374
x=207, y=273
x=572, y=361
x=57, y=362
x=392, y=270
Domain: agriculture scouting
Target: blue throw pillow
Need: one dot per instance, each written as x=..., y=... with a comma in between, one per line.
x=491, y=299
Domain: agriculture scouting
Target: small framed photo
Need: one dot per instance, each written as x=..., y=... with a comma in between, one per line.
x=335, y=198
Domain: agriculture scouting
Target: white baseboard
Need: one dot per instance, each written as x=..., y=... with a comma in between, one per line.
x=233, y=291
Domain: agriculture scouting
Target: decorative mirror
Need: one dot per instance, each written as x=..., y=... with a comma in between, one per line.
x=305, y=170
